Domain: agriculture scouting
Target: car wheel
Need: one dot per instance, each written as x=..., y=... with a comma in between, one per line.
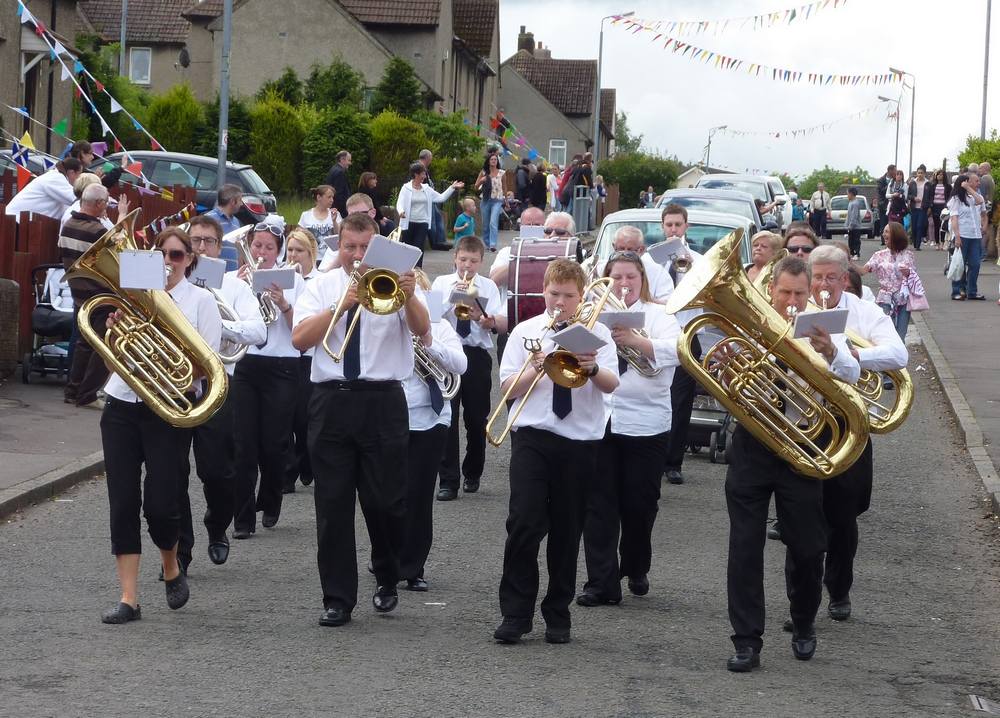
x=26, y=368
x=713, y=452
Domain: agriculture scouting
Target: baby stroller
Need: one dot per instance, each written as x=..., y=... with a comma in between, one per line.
x=52, y=323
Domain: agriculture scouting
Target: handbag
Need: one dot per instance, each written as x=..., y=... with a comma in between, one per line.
x=957, y=266
x=917, y=303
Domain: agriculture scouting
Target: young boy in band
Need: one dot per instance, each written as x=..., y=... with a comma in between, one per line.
x=476, y=332
x=553, y=457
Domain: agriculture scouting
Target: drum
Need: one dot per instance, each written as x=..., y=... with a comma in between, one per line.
x=528, y=260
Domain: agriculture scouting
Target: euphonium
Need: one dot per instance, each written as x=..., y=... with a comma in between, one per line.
x=464, y=311
x=153, y=347
x=378, y=293
x=268, y=309
x=746, y=371
x=427, y=366
x=635, y=358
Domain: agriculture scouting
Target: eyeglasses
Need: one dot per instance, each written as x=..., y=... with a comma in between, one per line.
x=272, y=228
x=803, y=250
x=176, y=255
x=559, y=231
x=624, y=254
x=208, y=241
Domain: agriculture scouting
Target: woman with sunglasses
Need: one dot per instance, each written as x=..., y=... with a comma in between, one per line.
x=626, y=486
x=132, y=435
x=264, y=397
x=415, y=205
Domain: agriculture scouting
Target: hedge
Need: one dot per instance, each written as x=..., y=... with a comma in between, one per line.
x=338, y=129
x=276, y=140
x=396, y=142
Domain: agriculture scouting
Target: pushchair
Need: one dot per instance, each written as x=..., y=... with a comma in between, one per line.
x=52, y=322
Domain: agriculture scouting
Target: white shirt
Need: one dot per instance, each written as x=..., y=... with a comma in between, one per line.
x=640, y=406
x=50, y=193
x=446, y=349
x=587, y=420
x=57, y=291
x=198, y=306
x=386, y=342
x=820, y=200
x=415, y=205
x=686, y=315
x=867, y=294
x=279, y=334
x=489, y=297
x=871, y=323
x=502, y=260
x=250, y=328
x=320, y=228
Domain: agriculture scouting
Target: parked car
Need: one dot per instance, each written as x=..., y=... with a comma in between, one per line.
x=766, y=188
x=169, y=168
x=724, y=201
x=838, y=217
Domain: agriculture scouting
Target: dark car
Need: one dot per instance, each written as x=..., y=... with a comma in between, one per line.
x=167, y=169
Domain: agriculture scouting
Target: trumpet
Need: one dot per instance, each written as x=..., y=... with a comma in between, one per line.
x=464, y=311
x=268, y=309
x=427, y=366
x=635, y=358
x=378, y=292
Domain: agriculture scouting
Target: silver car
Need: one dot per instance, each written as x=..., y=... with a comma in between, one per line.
x=835, y=223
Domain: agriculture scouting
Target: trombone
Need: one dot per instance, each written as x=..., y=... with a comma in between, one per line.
x=378, y=292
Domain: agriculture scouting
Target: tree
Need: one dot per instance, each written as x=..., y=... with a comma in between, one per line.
x=207, y=141
x=453, y=137
x=174, y=118
x=786, y=180
x=276, y=139
x=833, y=178
x=635, y=171
x=396, y=141
x=398, y=90
x=288, y=87
x=977, y=150
x=334, y=85
x=625, y=141
x=340, y=128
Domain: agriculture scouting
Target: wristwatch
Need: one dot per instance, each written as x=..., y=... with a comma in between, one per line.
x=593, y=372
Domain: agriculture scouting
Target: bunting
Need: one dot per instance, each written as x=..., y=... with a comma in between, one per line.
x=506, y=133
x=743, y=23
x=161, y=223
x=804, y=131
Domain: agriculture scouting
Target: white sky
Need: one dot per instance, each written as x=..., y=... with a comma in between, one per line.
x=673, y=101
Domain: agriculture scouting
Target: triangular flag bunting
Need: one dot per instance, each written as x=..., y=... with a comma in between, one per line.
x=60, y=127
x=64, y=73
x=77, y=67
x=104, y=127
x=26, y=141
x=118, y=145
x=115, y=107
x=23, y=175
x=19, y=154
x=155, y=145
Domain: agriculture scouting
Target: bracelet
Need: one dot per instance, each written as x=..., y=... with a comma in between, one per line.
x=593, y=372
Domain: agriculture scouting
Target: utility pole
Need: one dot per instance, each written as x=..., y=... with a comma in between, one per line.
x=122, y=69
x=597, y=96
x=227, y=41
x=986, y=69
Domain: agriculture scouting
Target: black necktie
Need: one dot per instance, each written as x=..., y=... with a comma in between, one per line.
x=352, y=355
x=673, y=273
x=622, y=365
x=562, y=401
x=437, y=400
x=464, y=327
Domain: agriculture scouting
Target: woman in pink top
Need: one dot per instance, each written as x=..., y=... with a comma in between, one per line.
x=896, y=272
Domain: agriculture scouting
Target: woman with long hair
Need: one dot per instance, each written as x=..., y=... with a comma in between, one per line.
x=896, y=271
x=763, y=246
x=415, y=205
x=368, y=184
x=966, y=225
x=490, y=186
x=323, y=220
x=940, y=194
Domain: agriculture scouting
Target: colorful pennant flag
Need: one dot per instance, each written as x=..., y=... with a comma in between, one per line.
x=26, y=141
x=19, y=154
x=60, y=127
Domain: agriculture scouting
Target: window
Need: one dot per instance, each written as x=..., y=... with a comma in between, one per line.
x=167, y=174
x=207, y=178
x=139, y=61
x=557, y=152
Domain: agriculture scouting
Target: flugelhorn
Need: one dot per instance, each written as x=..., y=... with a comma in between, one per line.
x=268, y=309
x=378, y=292
x=746, y=371
x=153, y=347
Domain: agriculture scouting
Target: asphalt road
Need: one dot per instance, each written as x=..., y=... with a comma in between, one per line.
x=923, y=635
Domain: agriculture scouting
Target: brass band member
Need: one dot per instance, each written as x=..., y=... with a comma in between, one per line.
x=358, y=426
x=626, y=486
x=133, y=435
x=263, y=389
x=631, y=239
x=754, y=474
x=553, y=457
x=214, y=441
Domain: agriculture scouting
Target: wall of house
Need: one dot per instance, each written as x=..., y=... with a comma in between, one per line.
x=422, y=48
x=200, y=73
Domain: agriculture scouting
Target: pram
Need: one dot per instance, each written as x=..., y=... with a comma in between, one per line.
x=51, y=323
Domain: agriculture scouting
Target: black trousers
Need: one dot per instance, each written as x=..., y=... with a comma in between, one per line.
x=214, y=453
x=754, y=474
x=87, y=371
x=415, y=235
x=817, y=218
x=425, y=449
x=298, y=457
x=622, y=495
x=263, y=390
x=548, y=474
x=133, y=436
x=358, y=440
x=681, y=402
x=473, y=399
x=854, y=241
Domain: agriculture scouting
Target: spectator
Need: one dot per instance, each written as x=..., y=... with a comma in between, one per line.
x=940, y=193
x=883, y=199
x=228, y=203
x=987, y=189
x=522, y=175
x=763, y=247
x=465, y=223
x=436, y=232
x=819, y=204
x=50, y=193
x=337, y=178
x=490, y=187
x=82, y=182
x=896, y=195
x=387, y=225
x=647, y=198
x=918, y=195
x=896, y=271
x=322, y=220
x=552, y=188
x=567, y=182
x=537, y=187
x=966, y=206
x=855, y=206
x=368, y=184
x=415, y=206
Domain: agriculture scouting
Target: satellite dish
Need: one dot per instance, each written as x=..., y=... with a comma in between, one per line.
x=184, y=58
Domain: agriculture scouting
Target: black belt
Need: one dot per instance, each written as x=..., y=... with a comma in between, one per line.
x=358, y=385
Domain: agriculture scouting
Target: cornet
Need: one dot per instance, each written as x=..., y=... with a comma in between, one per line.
x=464, y=311
x=268, y=309
x=427, y=366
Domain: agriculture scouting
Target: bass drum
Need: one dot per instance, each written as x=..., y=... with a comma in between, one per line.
x=528, y=261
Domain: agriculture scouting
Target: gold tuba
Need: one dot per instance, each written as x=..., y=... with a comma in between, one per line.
x=742, y=371
x=153, y=347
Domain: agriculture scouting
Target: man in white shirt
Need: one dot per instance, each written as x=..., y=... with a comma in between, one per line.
x=631, y=239
x=819, y=208
x=358, y=431
x=500, y=269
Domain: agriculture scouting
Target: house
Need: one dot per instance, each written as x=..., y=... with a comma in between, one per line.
x=30, y=78
x=551, y=101
x=690, y=176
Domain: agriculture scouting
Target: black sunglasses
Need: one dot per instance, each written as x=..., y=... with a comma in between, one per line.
x=559, y=232
x=796, y=250
x=176, y=255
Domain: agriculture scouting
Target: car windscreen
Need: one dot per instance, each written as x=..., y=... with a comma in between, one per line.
x=757, y=189
x=253, y=183
x=712, y=204
x=838, y=203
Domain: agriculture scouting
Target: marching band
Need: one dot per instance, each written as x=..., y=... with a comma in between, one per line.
x=354, y=379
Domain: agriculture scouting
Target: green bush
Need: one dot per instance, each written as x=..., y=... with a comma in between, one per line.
x=276, y=142
x=207, y=141
x=635, y=171
x=977, y=150
x=832, y=178
x=288, y=87
x=452, y=136
x=341, y=128
x=175, y=117
x=398, y=90
x=334, y=85
x=396, y=142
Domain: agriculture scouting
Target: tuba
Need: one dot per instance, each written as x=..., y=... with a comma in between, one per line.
x=743, y=371
x=153, y=347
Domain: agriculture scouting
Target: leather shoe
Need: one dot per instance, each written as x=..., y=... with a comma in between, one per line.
x=218, y=551
x=240, y=534
x=840, y=610
x=470, y=486
x=744, y=660
x=589, y=599
x=556, y=635
x=638, y=585
x=774, y=532
x=511, y=630
x=122, y=613
x=416, y=584
x=177, y=591
x=446, y=494
x=269, y=521
x=335, y=617
x=674, y=476
x=385, y=599
x=804, y=644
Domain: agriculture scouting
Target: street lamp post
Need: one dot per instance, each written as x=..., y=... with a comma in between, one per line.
x=708, y=151
x=913, y=108
x=597, y=91
x=895, y=159
x=986, y=68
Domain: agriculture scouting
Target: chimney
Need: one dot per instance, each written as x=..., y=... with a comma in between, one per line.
x=526, y=40
x=542, y=52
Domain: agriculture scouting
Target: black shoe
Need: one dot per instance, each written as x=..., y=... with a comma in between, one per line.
x=674, y=476
x=416, y=584
x=744, y=660
x=638, y=585
x=774, y=532
x=590, y=599
x=511, y=630
x=335, y=617
x=446, y=494
x=241, y=534
x=804, y=643
x=787, y=626
x=556, y=635
x=218, y=550
x=269, y=521
x=122, y=613
x=470, y=486
x=385, y=599
x=306, y=480
x=177, y=591
x=840, y=610
x=978, y=297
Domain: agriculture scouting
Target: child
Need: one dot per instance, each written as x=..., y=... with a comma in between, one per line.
x=476, y=333
x=553, y=458
x=465, y=223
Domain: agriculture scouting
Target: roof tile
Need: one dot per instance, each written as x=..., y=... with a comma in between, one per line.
x=394, y=12
x=154, y=21
x=474, y=22
x=567, y=84
x=608, y=98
